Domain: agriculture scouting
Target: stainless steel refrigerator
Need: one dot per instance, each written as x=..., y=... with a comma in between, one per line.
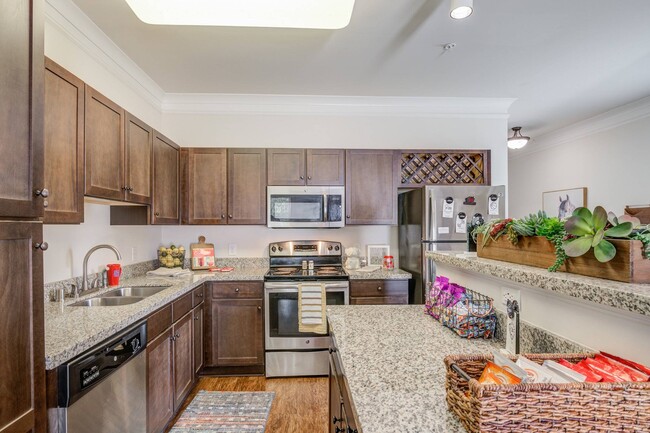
x=436, y=218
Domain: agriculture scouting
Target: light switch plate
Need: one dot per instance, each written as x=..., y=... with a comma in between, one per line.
x=232, y=249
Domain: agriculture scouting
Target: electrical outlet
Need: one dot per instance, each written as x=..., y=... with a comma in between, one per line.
x=510, y=294
x=232, y=249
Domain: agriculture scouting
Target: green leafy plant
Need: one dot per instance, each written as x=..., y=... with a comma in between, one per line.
x=590, y=230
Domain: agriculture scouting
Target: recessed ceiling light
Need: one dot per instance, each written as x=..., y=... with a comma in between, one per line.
x=517, y=141
x=303, y=14
x=461, y=9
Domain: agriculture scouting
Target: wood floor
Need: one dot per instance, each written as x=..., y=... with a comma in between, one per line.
x=300, y=405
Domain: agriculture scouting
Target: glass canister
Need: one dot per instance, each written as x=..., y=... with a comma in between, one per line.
x=389, y=263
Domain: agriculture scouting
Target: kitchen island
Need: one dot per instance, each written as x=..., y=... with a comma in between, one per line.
x=392, y=364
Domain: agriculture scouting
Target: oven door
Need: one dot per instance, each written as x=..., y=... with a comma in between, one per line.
x=305, y=207
x=281, y=315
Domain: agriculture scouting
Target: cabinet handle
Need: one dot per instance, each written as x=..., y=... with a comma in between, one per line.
x=336, y=420
x=172, y=338
x=237, y=290
x=230, y=216
x=302, y=177
x=200, y=295
x=308, y=177
x=223, y=216
x=332, y=349
x=260, y=309
x=347, y=216
x=124, y=188
x=339, y=430
x=129, y=188
x=43, y=246
x=42, y=193
x=379, y=288
x=177, y=336
x=196, y=318
x=157, y=214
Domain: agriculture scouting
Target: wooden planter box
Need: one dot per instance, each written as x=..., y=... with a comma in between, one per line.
x=629, y=265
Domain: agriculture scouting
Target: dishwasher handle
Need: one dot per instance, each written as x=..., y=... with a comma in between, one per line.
x=81, y=374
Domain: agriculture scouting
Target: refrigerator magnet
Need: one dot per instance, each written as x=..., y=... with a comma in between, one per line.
x=493, y=204
x=448, y=208
x=461, y=223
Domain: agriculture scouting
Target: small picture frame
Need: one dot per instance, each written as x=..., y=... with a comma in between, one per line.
x=561, y=203
x=376, y=254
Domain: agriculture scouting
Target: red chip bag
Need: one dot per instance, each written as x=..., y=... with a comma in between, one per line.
x=636, y=375
x=591, y=375
x=602, y=369
x=641, y=368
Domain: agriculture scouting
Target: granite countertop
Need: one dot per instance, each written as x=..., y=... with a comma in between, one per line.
x=380, y=274
x=630, y=297
x=392, y=358
x=72, y=330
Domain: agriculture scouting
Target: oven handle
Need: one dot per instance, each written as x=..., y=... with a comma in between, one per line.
x=287, y=288
x=325, y=205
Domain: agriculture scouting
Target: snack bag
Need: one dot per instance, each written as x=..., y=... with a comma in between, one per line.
x=505, y=363
x=565, y=372
x=495, y=375
x=590, y=375
x=635, y=374
x=641, y=368
x=536, y=373
x=597, y=367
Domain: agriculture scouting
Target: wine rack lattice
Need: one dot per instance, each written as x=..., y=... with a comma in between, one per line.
x=446, y=167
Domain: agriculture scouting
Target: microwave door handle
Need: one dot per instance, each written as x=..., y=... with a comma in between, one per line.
x=325, y=206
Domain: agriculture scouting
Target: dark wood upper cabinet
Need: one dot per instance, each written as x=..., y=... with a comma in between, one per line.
x=326, y=167
x=371, y=186
x=21, y=108
x=137, y=160
x=22, y=406
x=166, y=172
x=64, y=145
x=104, y=135
x=306, y=167
x=204, y=179
x=286, y=167
x=246, y=186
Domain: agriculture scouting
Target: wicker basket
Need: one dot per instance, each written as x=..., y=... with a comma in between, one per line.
x=543, y=407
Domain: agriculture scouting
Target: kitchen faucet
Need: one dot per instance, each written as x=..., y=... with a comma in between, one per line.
x=84, y=278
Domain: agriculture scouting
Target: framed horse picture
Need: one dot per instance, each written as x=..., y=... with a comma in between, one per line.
x=561, y=203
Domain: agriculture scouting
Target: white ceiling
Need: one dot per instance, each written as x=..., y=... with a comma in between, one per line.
x=564, y=60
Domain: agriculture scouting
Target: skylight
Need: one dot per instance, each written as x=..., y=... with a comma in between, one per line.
x=302, y=14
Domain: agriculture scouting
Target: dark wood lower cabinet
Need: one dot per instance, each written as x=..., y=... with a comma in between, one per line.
x=160, y=396
x=342, y=417
x=183, y=359
x=379, y=292
x=22, y=384
x=235, y=328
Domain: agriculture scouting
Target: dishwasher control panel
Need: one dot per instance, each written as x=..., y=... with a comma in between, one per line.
x=81, y=374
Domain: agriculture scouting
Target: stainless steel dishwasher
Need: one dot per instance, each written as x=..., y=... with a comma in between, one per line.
x=104, y=390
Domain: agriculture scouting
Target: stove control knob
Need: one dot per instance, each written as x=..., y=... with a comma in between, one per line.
x=330, y=248
x=337, y=248
x=273, y=248
x=279, y=248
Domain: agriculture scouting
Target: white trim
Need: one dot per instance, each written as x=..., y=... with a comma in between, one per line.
x=602, y=122
x=215, y=103
x=80, y=29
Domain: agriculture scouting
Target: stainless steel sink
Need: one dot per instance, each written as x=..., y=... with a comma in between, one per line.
x=139, y=291
x=115, y=301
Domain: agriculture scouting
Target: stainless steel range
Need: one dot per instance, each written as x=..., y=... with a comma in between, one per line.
x=290, y=352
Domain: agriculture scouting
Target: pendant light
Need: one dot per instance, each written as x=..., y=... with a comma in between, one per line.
x=461, y=9
x=517, y=141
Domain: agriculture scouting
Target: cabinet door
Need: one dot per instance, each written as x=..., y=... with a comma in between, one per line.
x=197, y=336
x=160, y=391
x=22, y=406
x=246, y=186
x=104, y=136
x=204, y=186
x=21, y=108
x=237, y=332
x=325, y=167
x=138, y=160
x=166, y=172
x=286, y=167
x=64, y=145
x=371, y=186
x=335, y=417
x=183, y=359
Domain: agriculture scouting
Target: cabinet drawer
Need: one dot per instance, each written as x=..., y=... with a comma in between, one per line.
x=380, y=300
x=181, y=306
x=376, y=288
x=197, y=295
x=236, y=290
x=158, y=322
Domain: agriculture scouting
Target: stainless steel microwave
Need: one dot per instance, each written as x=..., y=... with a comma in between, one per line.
x=305, y=206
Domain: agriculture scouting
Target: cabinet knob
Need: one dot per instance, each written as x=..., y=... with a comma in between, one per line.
x=347, y=216
x=124, y=188
x=336, y=420
x=129, y=188
x=302, y=177
x=379, y=289
x=200, y=295
x=177, y=336
x=260, y=309
x=339, y=430
x=42, y=193
x=172, y=338
x=237, y=289
x=332, y=350
x=308, y=177
x=223, y=216
x=196, y=318
x=43, y=246
x=230, y=216
x=157, y=214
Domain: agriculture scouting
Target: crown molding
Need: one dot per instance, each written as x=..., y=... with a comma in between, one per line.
x=610, y=119
x=214, y=103
x=83, y=32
